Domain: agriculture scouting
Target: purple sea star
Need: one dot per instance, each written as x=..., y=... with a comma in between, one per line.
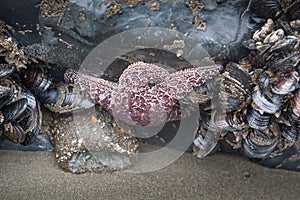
x=134, y=101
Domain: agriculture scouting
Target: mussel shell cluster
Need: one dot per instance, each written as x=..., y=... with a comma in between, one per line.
x=55, y=96
x=22, y=91
x=258, y=112
x=19, y=109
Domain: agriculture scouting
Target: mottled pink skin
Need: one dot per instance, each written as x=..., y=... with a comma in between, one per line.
x=133, y=101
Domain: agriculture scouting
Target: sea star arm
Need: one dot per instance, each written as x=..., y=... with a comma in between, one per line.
x=98, y=89
x=178, y=84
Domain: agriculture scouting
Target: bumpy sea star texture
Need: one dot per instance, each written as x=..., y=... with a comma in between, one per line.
x=145, y=94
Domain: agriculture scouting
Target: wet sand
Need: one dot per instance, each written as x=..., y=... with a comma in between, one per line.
x=35, y=175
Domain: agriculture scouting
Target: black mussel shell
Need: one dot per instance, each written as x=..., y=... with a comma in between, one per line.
x=204, y=141
x=36, y=78
x=32, y=102
x=293, y=112
x=253, y=148
x=6, y=96
x=290, y=133
x=286, y=83
x=6, y=70
x=235, y=87
x=263, y=80
x=64, y=98
x=266, y=101
x=14, y=132
x=31, y=136
x=14, y=110
x=258, y=121
x=267, y=8
x=229, y=121
x=49, y=97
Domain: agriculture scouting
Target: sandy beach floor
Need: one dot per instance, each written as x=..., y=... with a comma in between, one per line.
x=35, y=175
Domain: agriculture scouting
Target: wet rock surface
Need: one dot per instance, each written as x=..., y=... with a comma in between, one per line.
x=85, y=24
